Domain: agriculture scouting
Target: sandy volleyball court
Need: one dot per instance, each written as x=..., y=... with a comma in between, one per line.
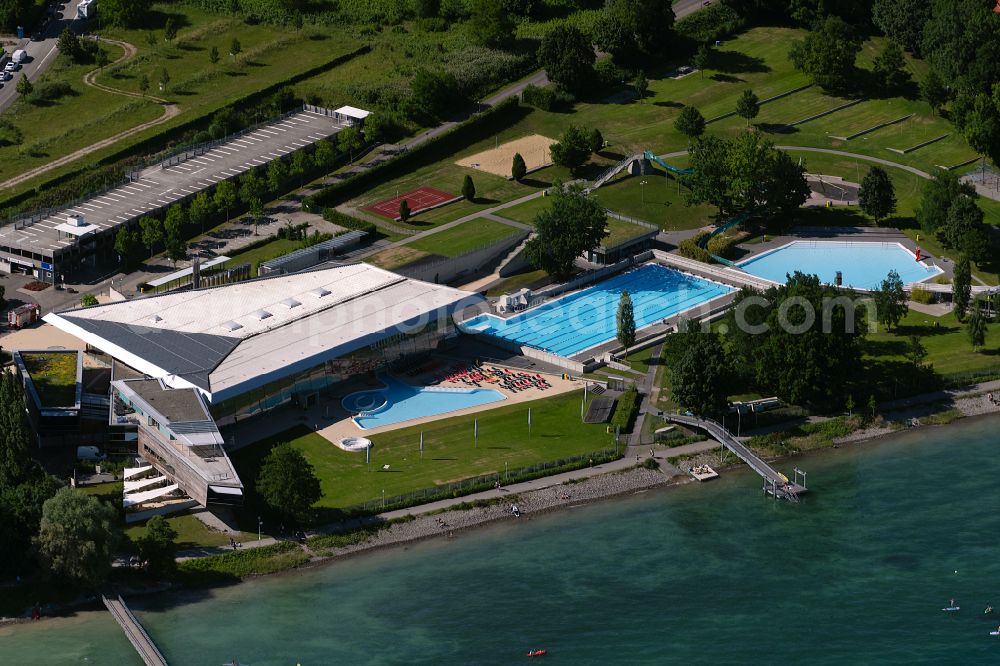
x=534, y=149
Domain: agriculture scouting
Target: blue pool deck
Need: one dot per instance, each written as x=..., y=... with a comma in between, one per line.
x=398, y=402
x=587, y=318
x=863, y=264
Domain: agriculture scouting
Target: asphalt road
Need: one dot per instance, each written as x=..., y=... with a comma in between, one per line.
x=684, y=7
x=40, y=54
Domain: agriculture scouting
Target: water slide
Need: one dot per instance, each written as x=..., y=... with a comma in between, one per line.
x=652, y=157
x=721, y=229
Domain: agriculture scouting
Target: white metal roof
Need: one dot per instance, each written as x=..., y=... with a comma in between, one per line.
x=353, y=112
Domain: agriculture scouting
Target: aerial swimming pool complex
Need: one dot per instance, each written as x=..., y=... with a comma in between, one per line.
x=863, y=265
x=586, y=319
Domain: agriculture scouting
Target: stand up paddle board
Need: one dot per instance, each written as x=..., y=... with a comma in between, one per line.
x=950, y=609
x=995, y=633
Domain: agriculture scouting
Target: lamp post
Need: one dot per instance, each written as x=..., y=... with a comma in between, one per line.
x=260, y=523
x=383, y=499
x=642, y=191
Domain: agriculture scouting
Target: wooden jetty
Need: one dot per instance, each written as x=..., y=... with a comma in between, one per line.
x=775, y=483
x=134, y=632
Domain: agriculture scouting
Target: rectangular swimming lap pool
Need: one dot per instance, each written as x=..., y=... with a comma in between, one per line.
x=587, y=318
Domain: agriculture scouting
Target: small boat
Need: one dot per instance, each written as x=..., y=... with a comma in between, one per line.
x=951, y=609
x=995, y=633
x=536, y=653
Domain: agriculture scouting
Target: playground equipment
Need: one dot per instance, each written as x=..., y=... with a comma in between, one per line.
x=652, y=157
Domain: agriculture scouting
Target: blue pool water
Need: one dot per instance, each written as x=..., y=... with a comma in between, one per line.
x=863, y=265
x=586, y=319
x=400, y=401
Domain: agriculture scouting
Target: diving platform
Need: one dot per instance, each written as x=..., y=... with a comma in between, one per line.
x=776, y=484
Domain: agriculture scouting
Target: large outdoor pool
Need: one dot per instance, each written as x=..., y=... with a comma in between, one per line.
x=571, y=324
x=863, y=264
x=399, y=402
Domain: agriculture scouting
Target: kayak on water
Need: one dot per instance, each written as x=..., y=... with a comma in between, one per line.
x=536, y=653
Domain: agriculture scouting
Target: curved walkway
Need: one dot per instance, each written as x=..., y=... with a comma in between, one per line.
x=170, y=110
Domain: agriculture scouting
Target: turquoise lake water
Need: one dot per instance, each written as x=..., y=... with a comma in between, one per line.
x=587, y=318
x=856, y=573
x=862, y=265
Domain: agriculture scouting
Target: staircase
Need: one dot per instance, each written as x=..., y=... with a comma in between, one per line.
x=611, y=172
x=513, y=254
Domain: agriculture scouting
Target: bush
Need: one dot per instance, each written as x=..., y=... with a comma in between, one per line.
x=716, y=21
x=724, y=245
x=336, y=217
x=432, y=24
x=243, y=563
x=626, y=409
x=50, y=91
x=921, y=295
x=478, y=70
x=548, y=98
x=689, y=248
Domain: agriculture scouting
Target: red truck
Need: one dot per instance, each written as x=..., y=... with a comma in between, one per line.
x=23, y=315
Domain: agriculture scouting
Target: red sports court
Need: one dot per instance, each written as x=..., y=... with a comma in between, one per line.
x=418, y=200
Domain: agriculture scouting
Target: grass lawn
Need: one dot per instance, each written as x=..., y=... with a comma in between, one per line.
x=660, y=201
x=642, y=360
x=191, y=533
x=449, y=454
x=534, y=279
x=525, y=212
x=269, y=54
x=946, y=340
x=254, y=256
x=54, y=376
x=464, y=237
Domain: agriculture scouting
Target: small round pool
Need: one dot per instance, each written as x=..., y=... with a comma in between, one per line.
x=364, y=401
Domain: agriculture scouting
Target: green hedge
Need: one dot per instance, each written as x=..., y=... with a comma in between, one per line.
x=444, y=146
x=336, y=217
x=626, y=409
x=724, y=245
x=716, y=21
x=242, y=563
x=920, y=295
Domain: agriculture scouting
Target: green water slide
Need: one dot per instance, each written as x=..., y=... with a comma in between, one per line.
x=721, y=229
x=651, y=156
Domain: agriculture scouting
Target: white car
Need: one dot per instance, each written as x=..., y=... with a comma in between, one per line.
x=6, y=76
x=10, y=67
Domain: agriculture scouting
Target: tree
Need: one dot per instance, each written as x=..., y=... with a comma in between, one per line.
x=872, y=404
x=936, y=199
x=573, y=149
x=143, y=84
x=978, y=118
x=157, y=545
x=877, y=195
x=748, y=106
x=152, y=232
x=572, y=225
x=102, y=59
x=169, y=30
x=690, y=122
x=977, y=328
x=225, y=196
x=24, y=87
x=625, y=321
x=175, y=220
x=151, y=39
x=902, y=21
x=890, y=67
x=518, y=169
x=128, y=245
x=404, y=210
x=213, y=55
x=301, y=164
x=349, y=140
x=934, y=91
x=963, y=229
x=287, y=483
x=915, y=351
x=849, y=404
x=890, y=301
x=164, y=78
x=375, y=128
x=960, y=41
x=15, y=435
x=961, y=287
x=828, y=53
x=468, y=188
x=701, y=378
x=633, y=29
x=641, y=85
x=324, y=155
x=251, y=187
x=568, y=57
x=69, y=45
x=596, y=140
x=277, y=174
x=199, y=210
x=124, y=13
x=702, y=59
x=256, y=206
x=77, y=535
x=428, y=8
x=433, y=94
x=235, y=47
x=490, y=24
x=88, y=300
